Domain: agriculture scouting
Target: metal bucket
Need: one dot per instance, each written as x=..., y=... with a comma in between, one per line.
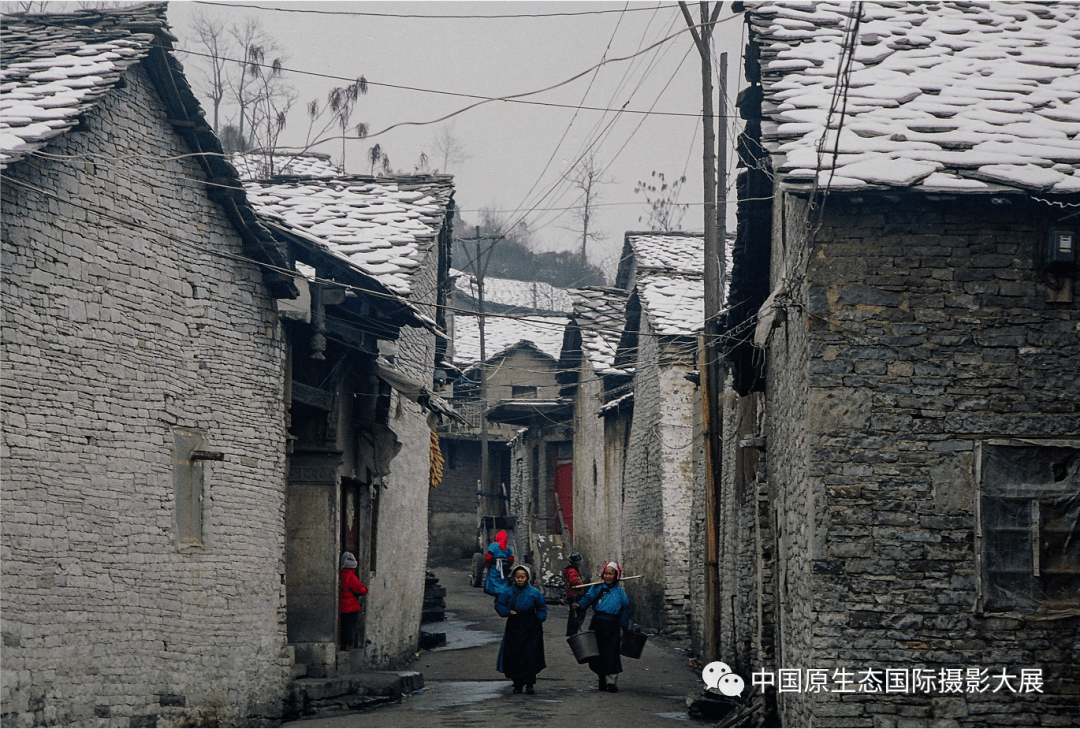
x=584, y=645
x=632, y=644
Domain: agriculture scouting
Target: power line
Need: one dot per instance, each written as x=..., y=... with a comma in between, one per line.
x=508, y=16
x=597, y=138
x=462, y=95
x=571, y=123
x=598, y=135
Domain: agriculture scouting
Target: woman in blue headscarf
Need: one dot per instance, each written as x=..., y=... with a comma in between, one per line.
x=521, y=655
x=611, y=615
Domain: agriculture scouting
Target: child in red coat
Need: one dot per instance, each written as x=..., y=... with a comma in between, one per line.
x=351, y=591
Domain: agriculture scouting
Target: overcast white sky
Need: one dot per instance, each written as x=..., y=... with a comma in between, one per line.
x=518, y=158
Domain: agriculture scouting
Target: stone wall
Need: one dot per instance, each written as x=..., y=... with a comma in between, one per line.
x=643, y=514
x=129, y=320
x=924, y=331
x=793, y=492
x=452, y=516
x=396, y=585
x=596, y=533
x=659, y=483
x=616, y=437
x=416, y=345
x=521, y=367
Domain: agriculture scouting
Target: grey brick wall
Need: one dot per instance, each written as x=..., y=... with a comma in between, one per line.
x=659, y=484
x=597, y=507
x=126, y=314
x=396, y=588
x=452, y=517
x=416, y=346
x=926, y=330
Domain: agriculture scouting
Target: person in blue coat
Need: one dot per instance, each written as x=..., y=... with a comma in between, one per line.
x=611, y=615
x=521, y=655
x=498, y=559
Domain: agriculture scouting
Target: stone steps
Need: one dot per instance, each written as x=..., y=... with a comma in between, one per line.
x=348, y=692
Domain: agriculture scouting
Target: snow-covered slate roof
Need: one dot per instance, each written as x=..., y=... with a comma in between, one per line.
x=674, y=303
x=51, y=74
x=510, y=292
x=256, y=165
x=600, y=314
x=501, y=333
x=384, y=226
x=942, y=96
x=672, y=251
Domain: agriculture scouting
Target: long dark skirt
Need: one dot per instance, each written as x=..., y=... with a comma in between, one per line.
x=521, y=655
x=608, y=641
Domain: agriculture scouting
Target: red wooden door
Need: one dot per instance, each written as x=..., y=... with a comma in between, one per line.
x=564, y=487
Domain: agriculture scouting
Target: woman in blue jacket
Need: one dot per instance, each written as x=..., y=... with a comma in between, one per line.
x=521, y=655
x=611, y=615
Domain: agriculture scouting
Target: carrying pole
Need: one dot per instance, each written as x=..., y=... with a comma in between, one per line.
x=590, y=584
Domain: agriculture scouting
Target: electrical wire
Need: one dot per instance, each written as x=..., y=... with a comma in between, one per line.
x=608, y=130
x=483, y=99
x=565, y=177
x=583, y=151
x=462, y=95
x=508, y=16
x=558, y=144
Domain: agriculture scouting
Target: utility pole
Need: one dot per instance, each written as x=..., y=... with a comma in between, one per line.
x=711, y=384
x=480, y=270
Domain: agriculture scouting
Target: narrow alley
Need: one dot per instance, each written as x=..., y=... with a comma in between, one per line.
x=462, y=687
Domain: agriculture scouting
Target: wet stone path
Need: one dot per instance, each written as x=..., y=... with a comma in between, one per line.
x=463, y=689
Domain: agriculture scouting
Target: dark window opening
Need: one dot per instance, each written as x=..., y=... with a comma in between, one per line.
x=1029, y=509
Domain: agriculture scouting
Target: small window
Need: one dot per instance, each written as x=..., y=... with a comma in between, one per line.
x=1029, y=510
x=523, y=391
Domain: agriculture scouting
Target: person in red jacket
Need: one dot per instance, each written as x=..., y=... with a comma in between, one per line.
x=351, y=591
x=572, y=577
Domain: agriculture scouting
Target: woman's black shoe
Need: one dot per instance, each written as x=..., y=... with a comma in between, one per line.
x=613, y=689
x=529, y=690
x=517, y=689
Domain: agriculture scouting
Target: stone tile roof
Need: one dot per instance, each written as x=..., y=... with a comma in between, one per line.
x=501, y=333
x=510, y=292
x=256, y=165
x=671, y=251
x=942, y=96
x=383, y=226
x=55, y=67
x=600, y=314
x=674, y=303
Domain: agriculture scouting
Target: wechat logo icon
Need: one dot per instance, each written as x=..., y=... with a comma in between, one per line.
x=719, y=676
